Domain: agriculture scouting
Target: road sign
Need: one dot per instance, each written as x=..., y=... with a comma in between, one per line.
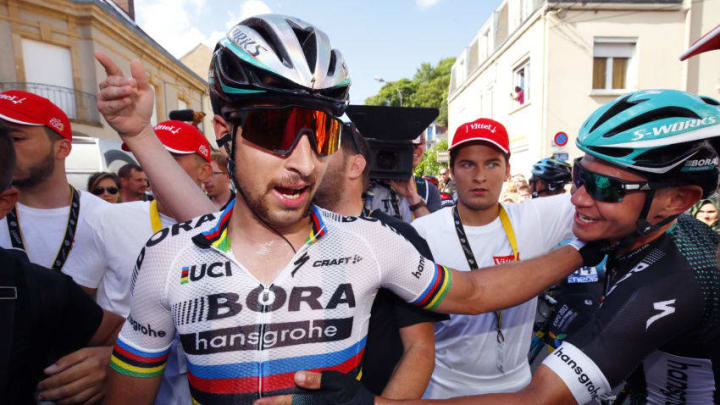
x=560, y=139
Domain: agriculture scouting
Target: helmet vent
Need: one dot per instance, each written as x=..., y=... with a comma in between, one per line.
x=650, y=116
x=268, y=35
x=621, y=105
x=612, y=152
x=333, y=61
x=710, y=101
x=308, y=43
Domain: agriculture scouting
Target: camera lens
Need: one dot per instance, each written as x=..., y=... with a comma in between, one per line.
x=387, y=160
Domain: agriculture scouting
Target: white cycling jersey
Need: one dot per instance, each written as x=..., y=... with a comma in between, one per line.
x=244, y=339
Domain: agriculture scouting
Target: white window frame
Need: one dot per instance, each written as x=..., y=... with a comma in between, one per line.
x=625, y=47
x=523, y=66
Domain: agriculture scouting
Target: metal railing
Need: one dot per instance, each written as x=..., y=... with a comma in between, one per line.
x=78, y=105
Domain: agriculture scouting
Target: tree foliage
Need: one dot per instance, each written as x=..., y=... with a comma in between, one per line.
x=429, y=165
x=428, y=88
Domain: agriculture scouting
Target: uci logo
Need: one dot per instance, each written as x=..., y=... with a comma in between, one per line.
x=196, y=273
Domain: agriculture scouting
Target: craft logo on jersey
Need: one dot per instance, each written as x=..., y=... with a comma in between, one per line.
x=198, y=272
x=503, y=259
x=340, y=260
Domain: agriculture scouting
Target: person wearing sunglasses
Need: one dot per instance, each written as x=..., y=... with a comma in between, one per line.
x=647, y=160
x=105, y=185
x=273, y=284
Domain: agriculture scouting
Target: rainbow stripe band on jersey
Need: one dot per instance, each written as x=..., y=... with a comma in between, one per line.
x=133, y=362
x=434, y=294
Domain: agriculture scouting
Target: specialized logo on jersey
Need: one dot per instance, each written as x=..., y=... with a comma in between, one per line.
x=198, y=272
x=340, y=260
x=666, y=309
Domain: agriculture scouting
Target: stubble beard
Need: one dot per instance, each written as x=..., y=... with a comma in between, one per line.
x=38, y=173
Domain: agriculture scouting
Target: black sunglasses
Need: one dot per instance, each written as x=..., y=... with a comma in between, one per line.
x=100, y=190
x=606, y=188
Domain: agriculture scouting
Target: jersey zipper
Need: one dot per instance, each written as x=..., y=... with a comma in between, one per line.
x=261, y=344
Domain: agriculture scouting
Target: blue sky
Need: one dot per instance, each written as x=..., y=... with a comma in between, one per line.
x=378, y=38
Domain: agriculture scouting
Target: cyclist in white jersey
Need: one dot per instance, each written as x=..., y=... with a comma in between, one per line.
x=273, y=284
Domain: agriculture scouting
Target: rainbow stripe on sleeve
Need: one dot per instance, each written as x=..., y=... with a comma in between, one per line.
x=435, y=292
x=133, y=362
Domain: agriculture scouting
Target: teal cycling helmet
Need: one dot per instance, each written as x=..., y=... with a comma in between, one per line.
x=653, y=131
x=667, y=136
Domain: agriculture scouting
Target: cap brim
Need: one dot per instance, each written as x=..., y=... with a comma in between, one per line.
x=507, y=152
x=708, y=42
x=171, y=150
x=21, y=122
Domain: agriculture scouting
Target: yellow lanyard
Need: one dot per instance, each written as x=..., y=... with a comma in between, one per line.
x=509, y=232
x=155, y=217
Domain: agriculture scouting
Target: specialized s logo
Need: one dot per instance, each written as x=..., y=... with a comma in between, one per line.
x=198, y=272
x=665, y=308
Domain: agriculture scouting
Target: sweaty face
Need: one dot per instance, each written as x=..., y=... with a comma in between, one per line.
x=332, y=186
x=218, y=182
x=35, y=155
x=708, y=214
x=595, y=220
x=278, y=189
x=479, y=172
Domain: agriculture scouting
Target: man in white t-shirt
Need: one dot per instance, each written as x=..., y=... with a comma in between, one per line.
x=47, y=221
x=487, y=353
x=119, y=234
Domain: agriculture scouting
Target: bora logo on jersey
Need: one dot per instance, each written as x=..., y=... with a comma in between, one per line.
x=198, y=272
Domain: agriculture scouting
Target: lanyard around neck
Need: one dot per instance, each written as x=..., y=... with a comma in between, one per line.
x=18, y=242
x=465, y=244
x=155, y=217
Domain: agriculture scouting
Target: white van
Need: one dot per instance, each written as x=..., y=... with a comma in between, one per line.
x=90, y=155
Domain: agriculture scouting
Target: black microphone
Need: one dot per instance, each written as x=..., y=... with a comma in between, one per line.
x=182, y=115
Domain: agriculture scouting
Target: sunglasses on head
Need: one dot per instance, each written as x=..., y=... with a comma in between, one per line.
x=100, y=190
x=279, y=129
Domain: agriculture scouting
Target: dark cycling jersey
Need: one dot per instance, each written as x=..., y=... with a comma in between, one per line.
x=658, y=326
x=245, y=340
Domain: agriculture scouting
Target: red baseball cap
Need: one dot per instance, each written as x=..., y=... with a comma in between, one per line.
x=485, y=130
x=21, y=107
x=181, y=138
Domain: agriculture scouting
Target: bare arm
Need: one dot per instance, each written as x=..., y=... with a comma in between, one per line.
x=130, y=390
x=126, y=104
x=492, y=288
x=107, y=332
x=415, y=367
x=546, y=388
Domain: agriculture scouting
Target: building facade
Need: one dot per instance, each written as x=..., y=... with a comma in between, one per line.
x=541, y=67
x=51, y=45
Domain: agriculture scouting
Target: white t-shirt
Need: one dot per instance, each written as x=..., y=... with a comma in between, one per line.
x=116, y=238
x=466, y=356
x=44, y=229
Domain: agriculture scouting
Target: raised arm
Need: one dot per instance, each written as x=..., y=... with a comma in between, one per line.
x=127, y=104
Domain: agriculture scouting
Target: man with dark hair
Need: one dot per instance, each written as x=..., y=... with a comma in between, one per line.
x=134, y=183
x=35, y=303
x=217, y=186
x=47, y=216
x=400, y=351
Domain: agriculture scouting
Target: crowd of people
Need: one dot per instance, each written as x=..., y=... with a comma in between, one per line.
x=277, y=271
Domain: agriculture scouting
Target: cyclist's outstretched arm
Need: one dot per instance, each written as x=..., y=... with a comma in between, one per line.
x=127, y=104
x=492, y=288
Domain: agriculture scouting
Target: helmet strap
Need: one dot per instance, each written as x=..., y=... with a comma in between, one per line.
x=644, y=227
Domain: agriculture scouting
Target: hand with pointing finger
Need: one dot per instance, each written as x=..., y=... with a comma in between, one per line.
x=126, y=103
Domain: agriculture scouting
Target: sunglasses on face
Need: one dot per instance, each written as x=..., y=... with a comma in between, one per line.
x=100, y=190
x=278, y=130
x=605, y=188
